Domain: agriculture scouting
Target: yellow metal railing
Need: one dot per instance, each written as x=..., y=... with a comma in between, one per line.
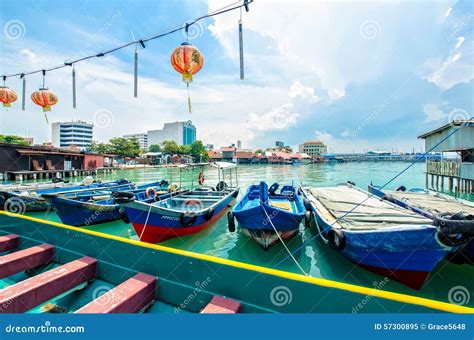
x=444, y=168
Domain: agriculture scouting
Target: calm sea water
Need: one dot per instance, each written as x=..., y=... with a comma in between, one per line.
x=315, y=257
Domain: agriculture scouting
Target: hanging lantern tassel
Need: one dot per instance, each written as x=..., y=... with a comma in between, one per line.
x=73, y=87
x=241, y=48
x=135, y=80
x=135, y=83
x=189, y=99
x=23, y=93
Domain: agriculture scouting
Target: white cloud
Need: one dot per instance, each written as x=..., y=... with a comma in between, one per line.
x=278, y=118
x=335, y=94
x=305, y=93
x=432, y=113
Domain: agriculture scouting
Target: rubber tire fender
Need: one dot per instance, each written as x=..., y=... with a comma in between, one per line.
x=336, y=239
x=209, y=214
x=307, y=219
x=231, y=221
x=187, y=223
x=307, y=204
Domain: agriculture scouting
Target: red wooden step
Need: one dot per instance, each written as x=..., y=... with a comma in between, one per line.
x=130, y=296
x=222, y=305
x=31, y=292
x=8, y=242
x=22, y=260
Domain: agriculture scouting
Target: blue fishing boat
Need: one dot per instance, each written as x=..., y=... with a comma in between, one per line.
x=454, y=216
x=31, y=200
x=184, y=213
x=268, y=216
x=376, y=234
x=99, y=206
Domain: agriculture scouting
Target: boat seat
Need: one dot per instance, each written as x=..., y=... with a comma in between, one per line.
x=25, y=295
x=131, y=296
x=22, y=260
x=284, y=205
x=9, y=242
x=222, y=305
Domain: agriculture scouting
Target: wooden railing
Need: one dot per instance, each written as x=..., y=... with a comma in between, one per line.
x=444, y=168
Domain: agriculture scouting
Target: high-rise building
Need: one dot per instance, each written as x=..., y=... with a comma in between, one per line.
x=183, y=133
x=141, y=137
x=313, y=148
x=279, y=143
x=66, y=134
x=239, y=145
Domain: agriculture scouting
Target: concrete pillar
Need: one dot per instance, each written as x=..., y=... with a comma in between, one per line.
x=18, y=177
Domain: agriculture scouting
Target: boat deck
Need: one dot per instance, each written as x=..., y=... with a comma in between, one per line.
x=433, y=202
x=373, y=213
x=32, y=281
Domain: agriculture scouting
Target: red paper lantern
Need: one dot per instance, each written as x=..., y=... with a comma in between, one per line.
x=7, y=96
x=44, y=98
x=187, y=60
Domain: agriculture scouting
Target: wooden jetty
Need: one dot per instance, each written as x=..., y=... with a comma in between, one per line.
x=452, y=174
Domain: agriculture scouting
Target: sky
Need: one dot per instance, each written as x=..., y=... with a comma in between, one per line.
x=356, y=75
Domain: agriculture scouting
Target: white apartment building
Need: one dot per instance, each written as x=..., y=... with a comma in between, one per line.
x=141, y=137
x=183, y=133
x=75, y=133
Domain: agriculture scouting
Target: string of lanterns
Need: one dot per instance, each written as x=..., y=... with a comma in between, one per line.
x=186, y=59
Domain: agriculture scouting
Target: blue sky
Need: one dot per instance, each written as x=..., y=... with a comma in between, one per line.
x=357, y=75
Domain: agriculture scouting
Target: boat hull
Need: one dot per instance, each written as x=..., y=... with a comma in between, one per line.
x=78, y=213
x=407, y=255
x=463, y=254
x=154, y=224
x=266, y=223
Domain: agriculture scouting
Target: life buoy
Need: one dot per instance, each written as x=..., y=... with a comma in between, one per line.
x=201, y=178
x=150, y=190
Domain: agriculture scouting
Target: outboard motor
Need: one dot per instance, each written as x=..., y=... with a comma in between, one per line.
x=401, y=188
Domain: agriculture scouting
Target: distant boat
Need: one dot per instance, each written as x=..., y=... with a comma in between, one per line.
x=439, y=207
x=184, y=213
x=99, y=206
x=377, y=235
x=32, y=200
x=268, y=216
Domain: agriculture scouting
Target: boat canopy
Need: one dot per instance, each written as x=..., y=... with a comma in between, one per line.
x=224, y=165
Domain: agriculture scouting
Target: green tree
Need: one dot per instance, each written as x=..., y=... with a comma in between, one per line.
x=17, y=140
x=126, y=147
x=259, y=151
x=170, y=147
x=100, y=148
x=154, y=148
x=199, y=152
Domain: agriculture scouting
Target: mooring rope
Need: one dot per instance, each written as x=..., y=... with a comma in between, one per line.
x=284, y=245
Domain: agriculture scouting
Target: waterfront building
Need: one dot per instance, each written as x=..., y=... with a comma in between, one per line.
x=183, y=133
x=228, y=153
x=456, y=136
x=313, y=148
x=141, y=137
x=72, y=134
x=18, y=162
x=285, y=149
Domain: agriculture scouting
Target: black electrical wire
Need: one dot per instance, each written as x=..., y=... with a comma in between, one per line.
x=141, y=41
